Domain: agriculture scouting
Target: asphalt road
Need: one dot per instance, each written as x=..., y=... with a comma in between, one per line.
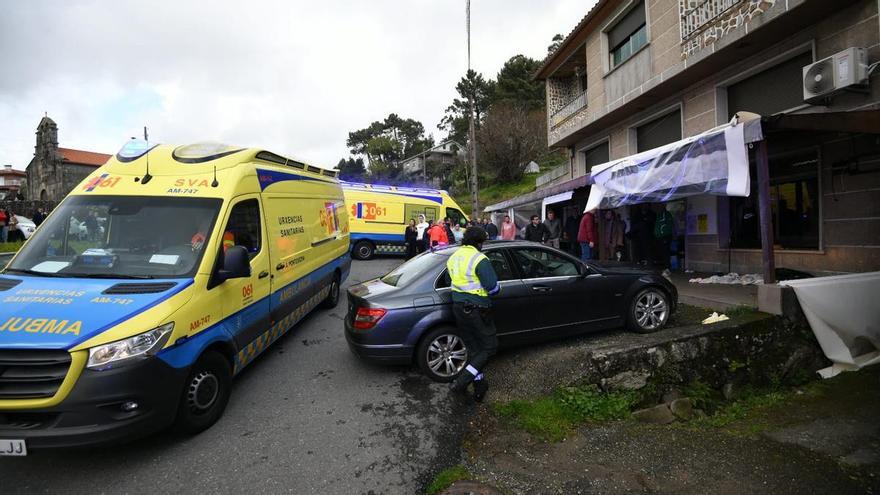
x=306, y=417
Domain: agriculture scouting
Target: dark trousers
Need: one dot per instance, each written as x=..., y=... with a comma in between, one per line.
x=411, y=248
x=478, y=332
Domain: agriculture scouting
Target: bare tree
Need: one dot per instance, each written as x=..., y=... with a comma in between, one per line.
x=511, y=135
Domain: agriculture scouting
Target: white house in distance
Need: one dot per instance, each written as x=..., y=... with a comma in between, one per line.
x=446, y=153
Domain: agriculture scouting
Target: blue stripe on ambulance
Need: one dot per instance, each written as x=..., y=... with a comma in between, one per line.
x=186, y=352
x=378, y=238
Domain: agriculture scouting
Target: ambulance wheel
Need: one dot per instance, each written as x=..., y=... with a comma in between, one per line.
x=333, y=296
x=363, y=250
x=205, y=394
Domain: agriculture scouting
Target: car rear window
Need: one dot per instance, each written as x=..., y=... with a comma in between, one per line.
x=413, y=269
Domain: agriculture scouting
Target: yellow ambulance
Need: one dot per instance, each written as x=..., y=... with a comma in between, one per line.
x=158, y=279
x=379, y=214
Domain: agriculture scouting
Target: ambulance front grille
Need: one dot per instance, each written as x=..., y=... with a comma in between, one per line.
x=32, y=374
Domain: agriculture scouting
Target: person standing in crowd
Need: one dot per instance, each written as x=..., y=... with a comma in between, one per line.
x=587, y=235
x=641, y=234
x=447, y=224
x=457, y=233
x=570, y=233
x=4, y=222
x=411, y=238
x=39, y=216
x=491, y=230
x=473, y=280
x=535, y=230
x=554, y=229
x=664, y=230
x=437, y=235
x=421, y=238
x=614, y=230
x=508, y=229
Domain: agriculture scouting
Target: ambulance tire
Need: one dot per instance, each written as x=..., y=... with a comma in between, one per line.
x=333, y=296
x=363, y=250
x=205, y=394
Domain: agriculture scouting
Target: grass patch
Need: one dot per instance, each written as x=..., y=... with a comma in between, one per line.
x=446, y=478
x=553, y=417
x=494, y=193
x=10, y=247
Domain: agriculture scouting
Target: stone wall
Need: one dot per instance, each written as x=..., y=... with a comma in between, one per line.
x=758, y=349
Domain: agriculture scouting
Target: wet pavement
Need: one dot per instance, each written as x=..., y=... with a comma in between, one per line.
x=306, y=417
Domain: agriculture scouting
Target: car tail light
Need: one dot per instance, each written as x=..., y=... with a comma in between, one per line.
x=366, y=318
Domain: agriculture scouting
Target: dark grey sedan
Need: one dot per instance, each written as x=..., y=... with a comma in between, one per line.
x=546, y=294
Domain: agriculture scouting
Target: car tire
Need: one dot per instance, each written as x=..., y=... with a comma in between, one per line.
x=363, y=250
x=648, y=311
x=442, y=354
x=332, y=298
x=205, y=394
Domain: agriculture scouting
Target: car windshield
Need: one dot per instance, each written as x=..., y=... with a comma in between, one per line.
x=414, y=269
x=120, y=237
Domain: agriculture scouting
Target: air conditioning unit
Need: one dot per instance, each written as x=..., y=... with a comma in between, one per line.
x=830, y=75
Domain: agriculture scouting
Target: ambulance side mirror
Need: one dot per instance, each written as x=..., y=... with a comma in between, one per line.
x=235, y=265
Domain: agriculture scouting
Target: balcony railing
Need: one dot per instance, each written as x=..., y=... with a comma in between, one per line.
x=551, y=175
x=696, y=15
x=568, y=109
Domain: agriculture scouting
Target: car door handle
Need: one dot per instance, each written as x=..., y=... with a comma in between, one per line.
x=263, y=274
x=279, y=267
x=541, y=288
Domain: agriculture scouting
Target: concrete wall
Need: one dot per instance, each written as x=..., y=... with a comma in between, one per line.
x=850, y=219
x=666, y=56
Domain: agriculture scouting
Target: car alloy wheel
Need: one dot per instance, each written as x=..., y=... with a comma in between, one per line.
x=446, y=355
x=651, y=310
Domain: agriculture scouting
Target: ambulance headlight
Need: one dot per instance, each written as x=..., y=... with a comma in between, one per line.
x=145, y=344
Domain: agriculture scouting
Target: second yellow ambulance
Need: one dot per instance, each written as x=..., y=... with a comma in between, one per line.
x=379, y=214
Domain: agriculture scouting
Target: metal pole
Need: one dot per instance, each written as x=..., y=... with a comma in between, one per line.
x=472, y=136
x=767, y=257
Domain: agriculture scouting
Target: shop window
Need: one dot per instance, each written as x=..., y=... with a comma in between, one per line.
x=627, y=36
x=794, y=205
x=772, y=91
x=660, y=131
x=243, y=228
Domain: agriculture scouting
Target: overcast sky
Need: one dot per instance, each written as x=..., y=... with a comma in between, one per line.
x=293, y=77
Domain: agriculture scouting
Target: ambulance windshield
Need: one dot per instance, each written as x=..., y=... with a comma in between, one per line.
x=120, y=237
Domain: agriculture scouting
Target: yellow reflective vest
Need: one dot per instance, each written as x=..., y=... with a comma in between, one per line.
x=462, y=266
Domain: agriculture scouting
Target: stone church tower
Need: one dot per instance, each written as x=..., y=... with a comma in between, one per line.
x=54, y=171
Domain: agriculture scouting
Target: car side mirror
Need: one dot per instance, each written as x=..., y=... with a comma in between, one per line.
x=235, y=265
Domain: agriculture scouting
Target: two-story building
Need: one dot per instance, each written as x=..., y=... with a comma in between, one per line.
x=427, y=166
x=635, y=75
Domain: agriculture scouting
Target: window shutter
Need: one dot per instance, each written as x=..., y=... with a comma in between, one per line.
x=630, y=23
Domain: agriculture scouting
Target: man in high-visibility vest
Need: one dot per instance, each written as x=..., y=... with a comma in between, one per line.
x=473, y=280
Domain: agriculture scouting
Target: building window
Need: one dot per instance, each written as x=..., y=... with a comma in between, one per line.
x=794, y=205
x=772, y=91
x=596, y=155
x=660, y=131
x=628, y=36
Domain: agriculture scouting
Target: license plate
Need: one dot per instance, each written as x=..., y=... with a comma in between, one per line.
x=12, y=447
